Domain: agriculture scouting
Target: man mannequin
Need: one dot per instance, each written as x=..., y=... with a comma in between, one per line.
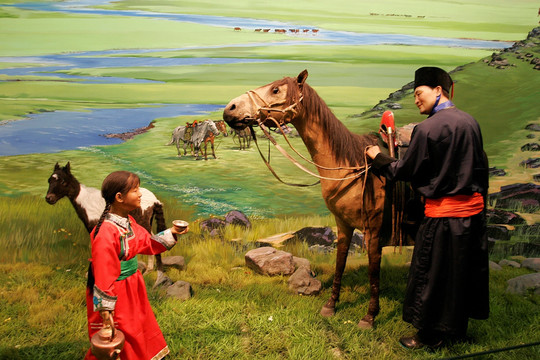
x=446, y=164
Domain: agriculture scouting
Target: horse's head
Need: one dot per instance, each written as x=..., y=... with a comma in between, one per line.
x=277, y=103
x=212, y=127
x=222, y=127
x=59, y=183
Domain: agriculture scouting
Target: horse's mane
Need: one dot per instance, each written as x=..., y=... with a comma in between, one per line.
x=346, y=146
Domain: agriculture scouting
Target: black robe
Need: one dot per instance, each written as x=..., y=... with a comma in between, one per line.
x=449, y=276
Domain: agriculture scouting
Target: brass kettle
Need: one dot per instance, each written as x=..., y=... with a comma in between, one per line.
x=107, y=343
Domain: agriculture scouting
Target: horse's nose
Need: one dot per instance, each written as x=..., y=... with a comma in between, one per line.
x=51, y=199
x=228, y=113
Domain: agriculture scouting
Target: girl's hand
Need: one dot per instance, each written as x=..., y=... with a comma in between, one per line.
x=108, y=320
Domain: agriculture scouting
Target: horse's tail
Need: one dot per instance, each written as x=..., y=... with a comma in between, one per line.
x=159, y=217
x=171, y=141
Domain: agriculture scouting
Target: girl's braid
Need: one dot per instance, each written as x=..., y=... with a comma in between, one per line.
x=102, y=218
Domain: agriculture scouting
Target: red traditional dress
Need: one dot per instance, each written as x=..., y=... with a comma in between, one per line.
x=119, y=286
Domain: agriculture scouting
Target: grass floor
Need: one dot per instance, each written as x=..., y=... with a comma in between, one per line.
x=234, y=312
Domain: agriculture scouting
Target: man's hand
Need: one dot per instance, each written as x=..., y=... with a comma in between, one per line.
x=372, y=151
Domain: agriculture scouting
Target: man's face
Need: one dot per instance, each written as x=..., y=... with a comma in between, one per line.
x=425, y=98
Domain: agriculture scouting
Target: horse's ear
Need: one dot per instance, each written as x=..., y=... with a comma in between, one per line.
x=67, y=167
x=301, y=79
x=56, y=167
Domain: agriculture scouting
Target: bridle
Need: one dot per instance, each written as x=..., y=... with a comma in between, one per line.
x=291, y=111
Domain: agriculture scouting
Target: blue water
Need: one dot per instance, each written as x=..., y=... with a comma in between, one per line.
x=51, y=132
x=66, y=62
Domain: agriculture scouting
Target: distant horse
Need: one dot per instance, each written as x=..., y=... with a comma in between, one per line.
x=244, y=138
x=89, y=204
x=355, y=197
x=200, y=132
x=210, y=137
x=192, y=134
x=179, y=135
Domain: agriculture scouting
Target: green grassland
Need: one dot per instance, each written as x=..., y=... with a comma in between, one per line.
x=482, y=19
x=44, y=248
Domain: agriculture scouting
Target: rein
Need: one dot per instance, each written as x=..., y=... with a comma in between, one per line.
x=291, y=110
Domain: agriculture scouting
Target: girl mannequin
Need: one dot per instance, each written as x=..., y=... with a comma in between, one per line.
x=116, y=292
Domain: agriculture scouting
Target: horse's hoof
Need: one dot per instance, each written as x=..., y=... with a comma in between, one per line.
x=328, y=311
x=366, y=323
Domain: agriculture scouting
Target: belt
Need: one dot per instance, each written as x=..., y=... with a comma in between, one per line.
x=454, y=206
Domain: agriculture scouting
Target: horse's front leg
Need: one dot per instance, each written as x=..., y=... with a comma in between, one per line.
x=374, y=272
x=213, y=150
x=344, y=241
x=178, y=148
x=205, y=151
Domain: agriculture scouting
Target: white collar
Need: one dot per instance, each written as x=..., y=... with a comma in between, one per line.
x=119, y=220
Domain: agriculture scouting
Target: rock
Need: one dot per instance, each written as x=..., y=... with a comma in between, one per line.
x=162, y=280
x=303, y=283
x=276, y=240
x=394, y=106
x=494, y=266
x=176, y=262
x=358, y=239
x=321, y=249
x=530, y=163
x=316, y=235
x=531, y=147
x=499, y=216
x=511, y=263
x=499, y=62
x=236, y=217
x=526, y=196
x=180, y=290
x=524, y=283
x=214, y=226
x=301, y=262
x=533, y=127
x=531, y=263
x=269, y=261
x=498, y=232
x=493, y=171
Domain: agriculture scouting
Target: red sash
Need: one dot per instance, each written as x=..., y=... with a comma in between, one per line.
x=454, y=206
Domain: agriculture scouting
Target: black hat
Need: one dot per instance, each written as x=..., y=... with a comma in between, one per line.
x=432, y=77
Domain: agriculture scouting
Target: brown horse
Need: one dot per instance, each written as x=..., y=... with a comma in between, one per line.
x=244, y=138
x=354, y=197
x=210, y=137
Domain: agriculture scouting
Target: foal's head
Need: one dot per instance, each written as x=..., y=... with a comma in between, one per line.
x=61, y=183
x=222, y=127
